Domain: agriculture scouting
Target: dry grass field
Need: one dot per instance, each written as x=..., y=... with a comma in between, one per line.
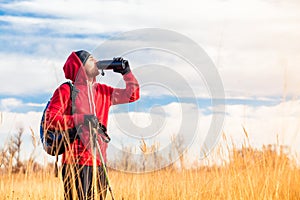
x=250, y=174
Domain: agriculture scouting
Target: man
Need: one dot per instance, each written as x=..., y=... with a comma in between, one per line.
x=89, y=107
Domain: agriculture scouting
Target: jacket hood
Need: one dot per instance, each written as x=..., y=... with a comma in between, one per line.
x=74, y=70
x=72, y=66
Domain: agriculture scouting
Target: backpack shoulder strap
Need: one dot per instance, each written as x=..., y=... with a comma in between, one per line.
x=73, y=94
x=71, y=87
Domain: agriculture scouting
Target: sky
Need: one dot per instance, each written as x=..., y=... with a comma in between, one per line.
x=253, y=44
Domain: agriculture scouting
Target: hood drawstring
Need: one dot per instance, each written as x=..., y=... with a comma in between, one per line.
x=92, y=105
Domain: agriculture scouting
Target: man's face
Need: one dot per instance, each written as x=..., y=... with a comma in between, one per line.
x=91, y=67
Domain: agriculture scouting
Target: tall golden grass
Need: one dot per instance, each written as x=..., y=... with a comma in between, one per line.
x=249, y=174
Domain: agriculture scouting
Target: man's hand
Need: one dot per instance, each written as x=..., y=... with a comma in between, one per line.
x=91, y=119
x=101, y=129
x=126, y=69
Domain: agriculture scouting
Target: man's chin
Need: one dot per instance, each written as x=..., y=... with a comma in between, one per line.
x=96, y=74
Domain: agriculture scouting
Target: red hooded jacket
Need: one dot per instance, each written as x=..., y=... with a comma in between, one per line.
x=92, y=98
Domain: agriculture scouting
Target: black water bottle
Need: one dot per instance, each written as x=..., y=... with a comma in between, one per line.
x=110, y=64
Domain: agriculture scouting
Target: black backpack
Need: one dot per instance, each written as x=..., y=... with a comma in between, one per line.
x=55, y=141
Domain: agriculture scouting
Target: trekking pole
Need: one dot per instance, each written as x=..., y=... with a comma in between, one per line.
x=97, y=146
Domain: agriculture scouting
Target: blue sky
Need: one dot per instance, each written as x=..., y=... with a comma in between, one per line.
x=40, y=31
x=254, y=45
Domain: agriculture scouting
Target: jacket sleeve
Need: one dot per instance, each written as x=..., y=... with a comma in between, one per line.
x=58, y=114
x=129, y=94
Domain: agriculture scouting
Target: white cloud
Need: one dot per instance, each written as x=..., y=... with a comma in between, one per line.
x=36, y=104
x=28, y=75
x=247, y=48
x=12, y=121
x=7, y=104
x=264, y=125
x=12, y=104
